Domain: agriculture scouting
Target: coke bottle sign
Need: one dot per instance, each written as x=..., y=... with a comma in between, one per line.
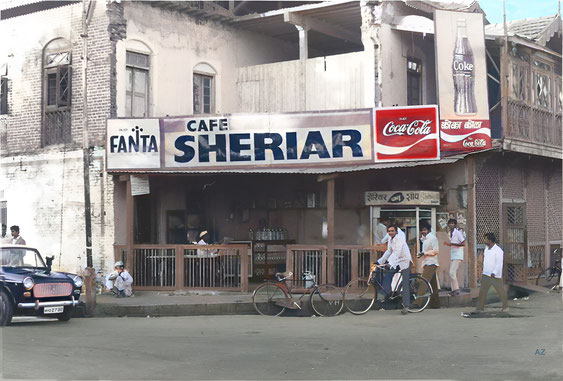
x=407, y=133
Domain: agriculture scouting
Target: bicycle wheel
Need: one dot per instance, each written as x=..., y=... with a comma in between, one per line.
x=359, y=296
x=548, y=277
x=266, y=299
x=420, y=292
x=327, y=300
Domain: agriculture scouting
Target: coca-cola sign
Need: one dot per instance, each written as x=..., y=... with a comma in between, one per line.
x=406, y=133
x=462, y=81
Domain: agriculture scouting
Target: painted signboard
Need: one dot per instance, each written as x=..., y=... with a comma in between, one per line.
x=402, y=198
x=225, y=142
x=462, y=81
x=406, y=133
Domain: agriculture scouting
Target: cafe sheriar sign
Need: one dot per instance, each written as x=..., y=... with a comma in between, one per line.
x=288, y=140
x=376, y=198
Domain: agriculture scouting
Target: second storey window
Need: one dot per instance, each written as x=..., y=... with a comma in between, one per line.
x=3, y=95
x=414, y=82
x=137, y=92
x=57, y=76
x=203, y=85
x=204, y=89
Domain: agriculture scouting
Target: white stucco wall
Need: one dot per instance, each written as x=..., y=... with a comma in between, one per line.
x=177, y=43
x=45, y=198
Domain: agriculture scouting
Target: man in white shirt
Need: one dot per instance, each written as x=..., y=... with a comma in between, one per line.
x=120, y=281
x=5, y=238
x=429, y=249
x=17, y=239
x=492, y=274
x=399, y=257
x=381, y=231
x=457, y=241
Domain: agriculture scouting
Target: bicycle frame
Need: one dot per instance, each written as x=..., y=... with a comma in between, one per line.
x=394, y=292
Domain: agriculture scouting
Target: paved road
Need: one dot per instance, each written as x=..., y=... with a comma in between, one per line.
x=437, y=344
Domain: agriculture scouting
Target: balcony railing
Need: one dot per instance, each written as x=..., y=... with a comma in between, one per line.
x=172, y=267
x=325, y=83
x=533, y=124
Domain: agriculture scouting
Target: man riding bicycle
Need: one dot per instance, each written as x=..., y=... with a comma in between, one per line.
x=398, y=257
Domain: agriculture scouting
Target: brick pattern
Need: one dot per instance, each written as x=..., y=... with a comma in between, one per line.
x=554, y=212
x=535, y=205
x=487, y=198
x=512, y=182
x=23, y=132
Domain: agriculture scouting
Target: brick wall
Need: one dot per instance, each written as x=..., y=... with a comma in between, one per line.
x=24, y=38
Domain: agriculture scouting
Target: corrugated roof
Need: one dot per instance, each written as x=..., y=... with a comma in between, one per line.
x=538, y=30
x=307, y=171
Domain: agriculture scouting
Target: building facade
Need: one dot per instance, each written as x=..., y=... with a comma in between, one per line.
x=165, y=59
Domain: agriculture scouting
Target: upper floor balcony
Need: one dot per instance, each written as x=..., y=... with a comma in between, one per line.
x=338, y=82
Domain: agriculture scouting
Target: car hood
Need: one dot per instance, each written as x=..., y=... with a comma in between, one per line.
x=38, y=275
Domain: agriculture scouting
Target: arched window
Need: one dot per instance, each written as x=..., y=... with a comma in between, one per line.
x=56, y=91
x=204, y=89
x=137, y=92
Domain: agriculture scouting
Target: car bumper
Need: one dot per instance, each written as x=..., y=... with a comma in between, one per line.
x=37, y=304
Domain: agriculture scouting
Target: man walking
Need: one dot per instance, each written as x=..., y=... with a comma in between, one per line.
x=399, y=257
x=16, y=237
x=457, y=241
x=5, y=238
x=492, y=273
x=429, y=250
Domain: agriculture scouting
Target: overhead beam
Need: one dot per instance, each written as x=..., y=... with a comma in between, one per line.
x=321, y=27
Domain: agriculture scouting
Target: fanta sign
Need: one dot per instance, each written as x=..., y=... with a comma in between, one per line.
x=133, y=143
x=406, y=133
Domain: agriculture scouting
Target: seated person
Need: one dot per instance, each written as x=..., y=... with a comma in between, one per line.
x=203, y=241
x=120, y=281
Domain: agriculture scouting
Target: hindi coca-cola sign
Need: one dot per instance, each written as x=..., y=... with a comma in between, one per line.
x=406, y=133
x=462, y=81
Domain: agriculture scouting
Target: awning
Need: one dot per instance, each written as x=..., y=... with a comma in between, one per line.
x=413, y=23
x=306, y=171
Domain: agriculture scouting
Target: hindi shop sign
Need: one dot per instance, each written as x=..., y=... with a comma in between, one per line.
x=406, y=133
x=462, y=81
x=402, y=198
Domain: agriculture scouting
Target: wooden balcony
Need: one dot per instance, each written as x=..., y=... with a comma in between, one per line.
x=532, y=124
x=336, y=82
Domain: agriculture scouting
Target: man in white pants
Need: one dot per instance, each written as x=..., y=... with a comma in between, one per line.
x=457, y=241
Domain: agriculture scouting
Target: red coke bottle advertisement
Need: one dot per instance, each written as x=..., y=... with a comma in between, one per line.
x=407, y=133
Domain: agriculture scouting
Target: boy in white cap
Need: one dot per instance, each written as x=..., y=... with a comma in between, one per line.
x=120, y=281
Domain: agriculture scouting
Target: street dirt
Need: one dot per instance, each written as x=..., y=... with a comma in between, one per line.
x=524, y=344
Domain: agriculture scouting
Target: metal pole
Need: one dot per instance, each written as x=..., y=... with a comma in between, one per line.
x=89, y=272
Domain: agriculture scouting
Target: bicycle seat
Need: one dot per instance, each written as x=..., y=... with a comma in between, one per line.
x=284, y=275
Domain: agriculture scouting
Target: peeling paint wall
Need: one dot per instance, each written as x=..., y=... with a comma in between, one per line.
x=176, y=43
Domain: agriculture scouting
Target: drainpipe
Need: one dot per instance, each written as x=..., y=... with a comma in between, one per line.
x=87, y=7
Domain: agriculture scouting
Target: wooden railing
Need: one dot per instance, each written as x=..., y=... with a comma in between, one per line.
x=173, y=267
x=350, y=262
x=533, y=124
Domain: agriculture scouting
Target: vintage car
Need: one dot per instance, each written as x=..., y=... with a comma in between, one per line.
x=28, y=287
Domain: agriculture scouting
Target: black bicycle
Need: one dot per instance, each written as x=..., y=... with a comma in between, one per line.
x=360, y=294
x=551, y=276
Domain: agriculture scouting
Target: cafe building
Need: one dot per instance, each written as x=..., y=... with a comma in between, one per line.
x=275, y=192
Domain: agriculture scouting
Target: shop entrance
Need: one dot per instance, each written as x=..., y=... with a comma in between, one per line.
x=407, y=218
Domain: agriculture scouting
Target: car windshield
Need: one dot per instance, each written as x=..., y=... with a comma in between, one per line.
x=14, y=257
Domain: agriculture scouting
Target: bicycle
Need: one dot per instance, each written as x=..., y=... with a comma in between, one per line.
x=273, y=297
x=360, y=294
x=551, y=276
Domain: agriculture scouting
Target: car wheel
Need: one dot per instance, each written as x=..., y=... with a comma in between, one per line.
x=65, y=316
x=6, y=309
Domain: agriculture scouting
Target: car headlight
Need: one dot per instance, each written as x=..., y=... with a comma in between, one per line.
x=28, y=283
x=78, y=282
